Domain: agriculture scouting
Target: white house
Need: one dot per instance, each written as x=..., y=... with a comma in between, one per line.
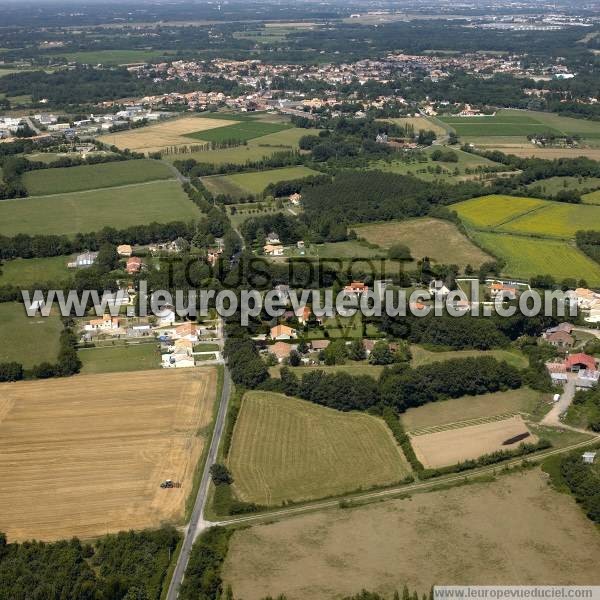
x=165, y=317
x=588, y=457
x=438, y=289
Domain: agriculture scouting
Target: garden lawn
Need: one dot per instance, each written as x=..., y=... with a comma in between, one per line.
x=29, y=271
x=27, y=340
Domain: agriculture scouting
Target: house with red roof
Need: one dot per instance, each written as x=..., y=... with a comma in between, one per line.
x=580, y=361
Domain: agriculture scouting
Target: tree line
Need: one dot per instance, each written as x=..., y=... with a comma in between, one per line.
x=124, y=566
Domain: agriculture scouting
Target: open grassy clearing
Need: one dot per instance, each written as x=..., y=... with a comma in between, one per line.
x=491, y=211
x=419, y=123
x=421, y=356
x=500, y=124
x=452, y=446
x=49, y=157
x=553, y=185
x=112, y=359
x=351, y=367
x=437, y=239
x=255, y=182
x=591, y=198
x=427, y=170
x=114, y=57
x=243, y=131
x=8, y=71
x=27, y=340
x=526, y=257
x=88, y=177
x=160, y=135
x=288, y=449
x=555, y=219
x=471, y=407
x=382, y=547
x=29, y=271
x=79, y=212
x=86, y=455
x=526, y=149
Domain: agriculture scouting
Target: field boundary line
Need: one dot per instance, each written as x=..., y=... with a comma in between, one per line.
x=398, y=490
x=108, y=187
x=461, y=424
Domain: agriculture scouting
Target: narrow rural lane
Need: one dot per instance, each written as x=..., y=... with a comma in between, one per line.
x=197, y=523
x=395, y=491
x=552, y=419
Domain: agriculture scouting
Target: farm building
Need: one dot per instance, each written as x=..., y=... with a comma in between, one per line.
x=588, y=457
x=273, y=250
x=134, y=265
x=356, y=287
x=560, y=339
x=82, y=261
x=587, y=378
x=282, y=332
x=107, y=322
x=580, y=361
x=281, y=350
x=124, y=250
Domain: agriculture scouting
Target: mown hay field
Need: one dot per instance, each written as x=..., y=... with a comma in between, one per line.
x=89, y=177
x=491, y=211
x=288, y=449
x=82, y=212
x=85, y=456
x=471, y=407
x=27, y=340
x=500, y=124
x=255, y=182
x=440, y=240
x=515, y=529
x=527, y=256
x=112, y=359
x=168, y=133
x=454, y=445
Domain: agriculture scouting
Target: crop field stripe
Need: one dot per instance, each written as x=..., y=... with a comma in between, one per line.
x=460, y=424
x=287, y=449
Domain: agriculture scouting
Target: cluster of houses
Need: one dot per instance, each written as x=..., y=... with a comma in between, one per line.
x=579, y=366
x=589, y=302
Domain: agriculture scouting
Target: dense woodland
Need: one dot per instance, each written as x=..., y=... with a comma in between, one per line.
x=124, y=566
x=584, y=482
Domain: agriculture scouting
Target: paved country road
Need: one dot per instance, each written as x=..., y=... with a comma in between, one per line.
x=197, y=523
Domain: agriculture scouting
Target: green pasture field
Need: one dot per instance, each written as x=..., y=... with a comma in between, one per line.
x=27, y=340
x=255, y=149
x=111, y=359
x=49, y=157
x=555, y=219
x=553, y=185
x=241, y=184
x=422, y=356
x=491, y=211
x=287, y=449
x=420, y=123
x=113, y=57
x=351, y=367
x=466, y=160
x=440, y=240
x=454, y=410
x=81, y=212
x=526, y=257
x=244, y=130
x=29, y=271
x=501, y=124
x=591, y=198
x=565, y=125
x=89, y=177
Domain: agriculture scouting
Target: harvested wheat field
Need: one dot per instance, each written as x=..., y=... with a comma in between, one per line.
x=169, y=133
x=288, y=449
x=86, y=455
x=515, y=530
x=451, y=444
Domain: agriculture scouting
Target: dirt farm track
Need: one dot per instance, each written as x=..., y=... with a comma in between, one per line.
x=85, y=455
